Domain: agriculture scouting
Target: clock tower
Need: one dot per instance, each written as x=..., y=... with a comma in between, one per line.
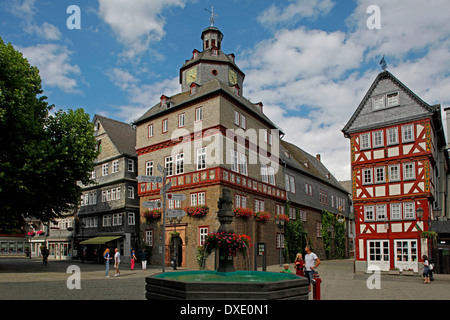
x=211, y=63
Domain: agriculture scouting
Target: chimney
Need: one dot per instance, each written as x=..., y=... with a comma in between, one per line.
x=318, y=156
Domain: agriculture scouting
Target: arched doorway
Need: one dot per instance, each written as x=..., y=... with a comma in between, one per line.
x=181, y=244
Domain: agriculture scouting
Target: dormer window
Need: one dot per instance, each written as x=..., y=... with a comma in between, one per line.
x=163, y=101
x=214, y=51
x=195, y=54
x=236, y=89
x=194, y=88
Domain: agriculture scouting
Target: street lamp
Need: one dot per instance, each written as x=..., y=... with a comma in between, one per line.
x=419, y=212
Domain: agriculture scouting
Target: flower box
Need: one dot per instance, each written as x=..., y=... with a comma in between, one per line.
x=244, y=212
x=151, y=215
x=394, y=271
x=282, y=217
x=197, y=211
x=262, y=216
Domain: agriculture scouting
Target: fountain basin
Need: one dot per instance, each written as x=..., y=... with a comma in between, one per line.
x=238, y=285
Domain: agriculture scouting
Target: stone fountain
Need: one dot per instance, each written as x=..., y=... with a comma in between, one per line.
x=226, y=283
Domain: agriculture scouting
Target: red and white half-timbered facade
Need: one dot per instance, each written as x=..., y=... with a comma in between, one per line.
x=393, y=162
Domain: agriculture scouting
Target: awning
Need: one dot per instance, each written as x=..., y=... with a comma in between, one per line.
x=100, y=240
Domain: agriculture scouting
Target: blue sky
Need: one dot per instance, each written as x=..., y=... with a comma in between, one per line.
x=309, y=61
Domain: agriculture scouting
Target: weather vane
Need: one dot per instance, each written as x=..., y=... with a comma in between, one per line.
x=212, y=16
x=383, y=64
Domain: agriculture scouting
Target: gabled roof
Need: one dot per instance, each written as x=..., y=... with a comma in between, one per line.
x=428, y=110
x=122, y=135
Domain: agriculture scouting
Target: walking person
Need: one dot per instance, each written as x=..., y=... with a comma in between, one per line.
x=299, y=264
x=311, y=264
x=144, y=259
x=117, y=262
x=106, y=257
x=133, y=259
x=426, y=269
x=45, y=254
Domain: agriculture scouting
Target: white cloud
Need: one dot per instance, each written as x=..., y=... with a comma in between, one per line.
x=141, y=96
x=53, y=62
x=136, y=23
x=294, y=12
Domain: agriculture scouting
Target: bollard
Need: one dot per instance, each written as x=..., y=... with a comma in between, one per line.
x=316, y=286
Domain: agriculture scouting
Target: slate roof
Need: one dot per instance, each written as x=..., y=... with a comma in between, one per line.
x=122, y=135
x=209, y=88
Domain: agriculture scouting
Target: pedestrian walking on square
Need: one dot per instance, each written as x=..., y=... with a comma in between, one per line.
x=299, y=265
x=133, y=259
x=426, y=269
x=311, y=264
x=107, y=257
x=144, y=259
x=45, y=255
x=117, y=262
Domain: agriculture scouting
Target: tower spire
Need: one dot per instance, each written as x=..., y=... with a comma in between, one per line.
x=211, y=20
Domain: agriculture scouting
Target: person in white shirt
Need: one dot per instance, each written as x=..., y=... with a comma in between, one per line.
x=311, y=263
x=117, y=262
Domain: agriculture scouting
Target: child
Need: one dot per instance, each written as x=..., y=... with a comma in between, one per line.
x=286, y=269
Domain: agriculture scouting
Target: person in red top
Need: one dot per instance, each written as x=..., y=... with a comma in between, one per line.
x=299, y=264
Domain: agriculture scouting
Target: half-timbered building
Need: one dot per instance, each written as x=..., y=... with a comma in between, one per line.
x=396, y=147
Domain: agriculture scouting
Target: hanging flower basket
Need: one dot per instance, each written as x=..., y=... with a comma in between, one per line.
x=31, y=233
x=282, y=217
x=262, y=216
x=228, y=244
x=197, y=211
x=244, y=212
x=151, y=215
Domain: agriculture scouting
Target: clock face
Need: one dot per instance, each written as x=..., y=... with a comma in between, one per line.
x=232, y=77
x=191, y=75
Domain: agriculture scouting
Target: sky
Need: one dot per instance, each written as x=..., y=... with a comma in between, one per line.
x=309, y=61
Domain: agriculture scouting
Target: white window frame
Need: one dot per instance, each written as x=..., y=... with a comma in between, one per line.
x=392, y=177
x=168, y=164
x=381, y=212
x=378, y=139
x=378, y=103
x=105, y=169
x=392, y=136
x=396, y=211
x=409, y=212
x=364, y=176
x=409, y=173
x=149, y=168
x=179, y=163
x=115, y=166
x=377, y=180
x=391, y=102
x=369, y=210
x=202, y=234
x=201, y=158
x=365, y=141
x=198, y=114
x=181, y=120
x=408, y=133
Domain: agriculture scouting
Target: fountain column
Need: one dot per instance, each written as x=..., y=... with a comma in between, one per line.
x=225, y=215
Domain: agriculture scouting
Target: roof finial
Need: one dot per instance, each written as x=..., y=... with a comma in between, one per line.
x=383, y=64
x=212, y=16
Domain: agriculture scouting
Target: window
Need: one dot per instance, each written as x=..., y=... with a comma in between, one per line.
x=259, y=205
x=379, y=175
x=105, y=169
x=115, y=166
x=234, y=161
x=378, y=250
x=378, y=103
x=318, y=229
x=408, y=171
x=107, y=220
x=280, y=209
x=201, y=158
x=130, y=165
x=367, y=176
x=243, y=164
x=150, y=130
x=165, y=125
x=149, y=237
x=378, y=139
x=149, y=168
x=169, y=165
x=198, y=199
x=286, y=182
x=280, y=241
x=407, y=133
x=368, y=213
x=394, y=173
x=199, y=114
x=131, y=219
x=264, y=177
x=179, y=162
x=236, y=117
x=365, y=141
x=392, y=100
x=308, y=189
x=271, y=174
x=243, y=122
x=202, y=233
x=408, y=210
x=290, y=183
x=131, y=192
x=292, y=214
x=240, y=201
x=302, y=215
x=181, y=120
x=392, y=136
x=396, y=211
x=117, y=219
x=381, y=212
